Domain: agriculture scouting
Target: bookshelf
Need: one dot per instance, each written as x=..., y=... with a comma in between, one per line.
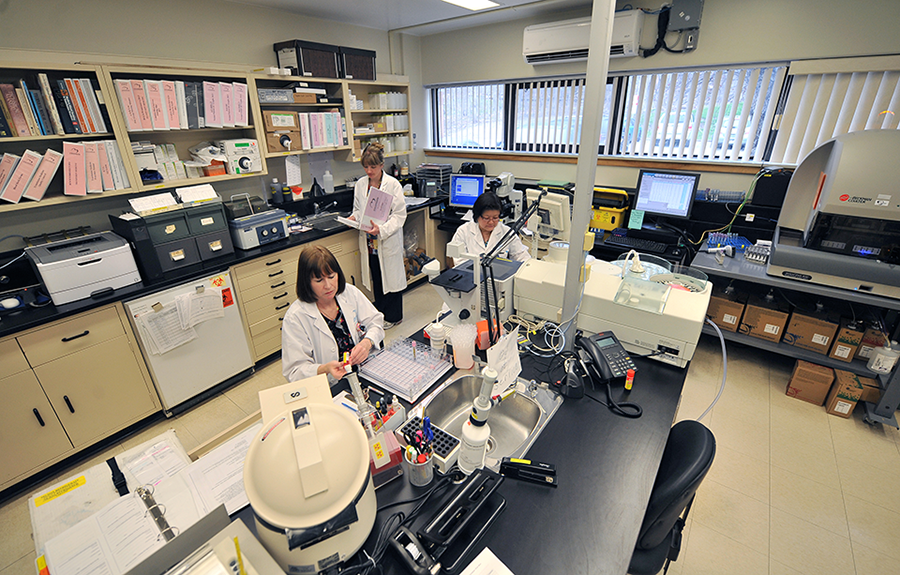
x=379, y=100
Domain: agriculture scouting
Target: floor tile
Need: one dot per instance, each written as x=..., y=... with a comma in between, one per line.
x=808, y=548
x=776, y=568
x=868, y=562
x=744, y=474
x=733, y=514
x=743, y=435
x=712, y=553
x=809, y=461
x=15, y=531
x=188, y=441
x=869, y=483
x=799, y=421
x=875, y=451
x=873, y=526
x=809, y=500
x=211, y=417
x=23, y=566
x=246, y=395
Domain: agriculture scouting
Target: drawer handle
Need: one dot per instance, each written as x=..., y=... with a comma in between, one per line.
x=39, y=418
x=278, y=261
x=281, y=319
x=277, y=285
x=278, y=273
x=68, y=404
x=282, y=306
x=279, y=296
x=67, y=339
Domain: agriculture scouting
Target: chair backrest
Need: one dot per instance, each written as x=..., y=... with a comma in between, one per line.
x=687, y=458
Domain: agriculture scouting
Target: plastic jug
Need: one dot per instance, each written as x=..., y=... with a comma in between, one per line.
x=328, y=182
x=884, y=358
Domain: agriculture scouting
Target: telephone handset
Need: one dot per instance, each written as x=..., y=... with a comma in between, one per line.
x=608, y=357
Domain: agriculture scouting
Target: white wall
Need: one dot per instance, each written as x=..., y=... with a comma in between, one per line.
x=199, y=33
x=731, y=32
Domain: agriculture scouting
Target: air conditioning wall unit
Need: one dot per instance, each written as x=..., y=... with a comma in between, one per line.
x=568, y=40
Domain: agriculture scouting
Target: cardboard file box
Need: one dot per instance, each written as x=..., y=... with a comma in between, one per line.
x=814, y=332
x=844, y=394
x=304, y=98
x=725, y=309
x=846, y=340
x=873, y=338
x=810, y=382
x=871, y=390
x=277, y=120
x=764, y=320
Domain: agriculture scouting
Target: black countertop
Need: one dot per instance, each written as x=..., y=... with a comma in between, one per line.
x=29, y=317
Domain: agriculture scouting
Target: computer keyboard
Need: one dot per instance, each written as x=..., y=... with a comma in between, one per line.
x=639, y=244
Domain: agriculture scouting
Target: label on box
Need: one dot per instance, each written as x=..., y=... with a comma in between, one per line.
x=772, y=328
x=728, y=318
x=282, y=120
x=842, y=351
x=820, y=339
x=843, y=407
x=207, y=221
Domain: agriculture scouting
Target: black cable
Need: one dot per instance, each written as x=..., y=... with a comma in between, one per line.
x=625, y=409
x=662, y=23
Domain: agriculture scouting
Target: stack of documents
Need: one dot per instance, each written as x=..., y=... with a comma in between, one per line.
x=170, y=326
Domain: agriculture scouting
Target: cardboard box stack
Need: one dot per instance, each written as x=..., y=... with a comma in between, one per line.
x=873, y=338
x=844, y=394
x=726, y=309
x=814, y=332
x=810, y=382
x=764, y=318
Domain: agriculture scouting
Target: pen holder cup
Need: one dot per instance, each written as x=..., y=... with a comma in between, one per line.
x=420, y=474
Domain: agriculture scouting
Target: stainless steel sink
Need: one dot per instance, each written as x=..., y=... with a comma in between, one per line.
x=325, y=222
x=515, y=423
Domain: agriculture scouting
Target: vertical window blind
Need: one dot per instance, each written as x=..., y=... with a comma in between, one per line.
x=720, y=114
x=821, y=106
x=547, y=116
x=469, y=116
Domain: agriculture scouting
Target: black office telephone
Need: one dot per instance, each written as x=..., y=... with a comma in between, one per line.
x=608, y=359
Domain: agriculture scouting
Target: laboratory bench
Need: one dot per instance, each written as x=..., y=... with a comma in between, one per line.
x=738, y=268
x=606, y=465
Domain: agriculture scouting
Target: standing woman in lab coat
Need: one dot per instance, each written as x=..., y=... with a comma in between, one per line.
x=381, y=248
x=330, y=317
x=482, y=234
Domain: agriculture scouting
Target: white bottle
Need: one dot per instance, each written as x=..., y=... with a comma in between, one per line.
x=883, y=358
x=328, y=182
x=473, y=447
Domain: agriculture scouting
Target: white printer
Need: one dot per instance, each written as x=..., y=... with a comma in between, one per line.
x=77, y=268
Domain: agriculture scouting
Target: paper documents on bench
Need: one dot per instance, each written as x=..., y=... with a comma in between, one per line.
x=218, y=477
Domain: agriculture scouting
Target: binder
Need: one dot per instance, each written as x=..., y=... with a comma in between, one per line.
x=226, y=93
x=87, y=127
x=43, y=175
x=105, y=170
x=129, y=106
x=241, y=117
x=192, y=95
x=170, y=101
x=303, y=118
x=50, y=102
x=21, y=177
x=115, y=171
x=92, y=168
x=155, y=99
x=41, y=114
x=25, y=104
x=212, y=103
x=182, y=108
x=6, y=121
x=93, y=106
x=63, y=91
x=143, y=106
x=7, y=164
x=73, y=169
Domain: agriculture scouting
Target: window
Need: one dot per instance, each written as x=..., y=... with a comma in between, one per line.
x=469, y=116
x=702, y=114
x=831, y=98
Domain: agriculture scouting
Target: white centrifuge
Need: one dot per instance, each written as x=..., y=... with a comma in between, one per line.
x=308, y=481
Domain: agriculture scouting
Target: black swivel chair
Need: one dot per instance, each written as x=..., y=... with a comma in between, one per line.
x=687, y=458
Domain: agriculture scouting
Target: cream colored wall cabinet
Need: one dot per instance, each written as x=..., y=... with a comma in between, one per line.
x=374, y=108
x=85, y=378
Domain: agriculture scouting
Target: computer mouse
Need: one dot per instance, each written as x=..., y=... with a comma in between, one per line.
x=10, y=303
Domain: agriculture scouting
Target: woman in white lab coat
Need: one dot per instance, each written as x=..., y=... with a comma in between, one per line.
x=381, y=248
x=483, y=233
x=329, y=318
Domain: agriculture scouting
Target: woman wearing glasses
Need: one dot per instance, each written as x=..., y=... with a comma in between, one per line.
x=329, y=318
x=481, y=235
x=381, y=247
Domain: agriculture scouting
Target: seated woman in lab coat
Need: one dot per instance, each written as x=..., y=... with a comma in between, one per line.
x=330, y=317
x=486, y=230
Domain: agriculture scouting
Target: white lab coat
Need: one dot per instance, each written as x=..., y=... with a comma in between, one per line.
x=390, y=240
x=306, y=341
x=469, y=235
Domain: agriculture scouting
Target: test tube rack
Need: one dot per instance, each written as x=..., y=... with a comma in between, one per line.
x=445, y=446
x=405, y=368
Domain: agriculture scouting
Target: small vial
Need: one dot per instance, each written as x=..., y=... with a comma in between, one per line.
x=629, y=379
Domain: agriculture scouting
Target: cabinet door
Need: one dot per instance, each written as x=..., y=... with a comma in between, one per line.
x=96, y=391
x=27, y=443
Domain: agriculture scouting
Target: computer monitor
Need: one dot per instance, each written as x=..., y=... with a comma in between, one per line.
x=553, y=216
x=665, y=193
x=465, y=189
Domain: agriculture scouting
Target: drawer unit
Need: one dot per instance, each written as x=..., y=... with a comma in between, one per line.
x=271, y=322
x=214, y=245
x=257, y=271
x=206, y=220
x=70, y=336
x=167, y=227
x=284, y=286
x=12, y=360
x=267, y=342
x=174, y=255
x=261, y=308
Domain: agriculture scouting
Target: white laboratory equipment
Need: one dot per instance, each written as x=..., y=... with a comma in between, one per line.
x=217, y=353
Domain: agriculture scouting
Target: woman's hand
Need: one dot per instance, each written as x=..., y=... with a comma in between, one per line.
x=360, y=351
x=335, y=368
x=352, y=218
x=374, y=230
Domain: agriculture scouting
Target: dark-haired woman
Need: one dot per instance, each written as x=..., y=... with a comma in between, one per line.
x=329, y=318
x=485, y=230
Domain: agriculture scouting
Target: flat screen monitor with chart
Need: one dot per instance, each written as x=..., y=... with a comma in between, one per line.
x=666, y=193
x=465, y=189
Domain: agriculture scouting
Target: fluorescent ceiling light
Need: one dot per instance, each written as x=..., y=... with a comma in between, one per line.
x=473, y=5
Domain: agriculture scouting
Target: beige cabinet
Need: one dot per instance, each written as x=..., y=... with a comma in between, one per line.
x=68, y=385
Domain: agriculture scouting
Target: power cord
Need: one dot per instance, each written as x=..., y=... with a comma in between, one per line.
x=625, y=408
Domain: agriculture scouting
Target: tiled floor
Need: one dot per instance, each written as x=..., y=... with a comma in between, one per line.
x=793, y=490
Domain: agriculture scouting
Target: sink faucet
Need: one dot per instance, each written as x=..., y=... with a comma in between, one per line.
x=318, y=210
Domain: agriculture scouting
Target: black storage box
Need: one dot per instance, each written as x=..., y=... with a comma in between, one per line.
x=771, y=188
x=357, y=64
x=309, y=58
